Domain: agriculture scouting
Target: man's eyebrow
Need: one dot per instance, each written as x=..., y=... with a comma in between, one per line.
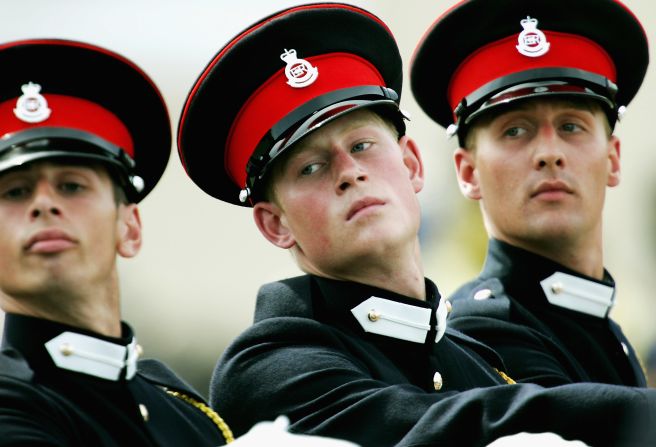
x=310, y=141
x=19, y=172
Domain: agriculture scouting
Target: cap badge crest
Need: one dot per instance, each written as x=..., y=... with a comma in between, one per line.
x=532, y=42
x=32, y=107
x=300, y=73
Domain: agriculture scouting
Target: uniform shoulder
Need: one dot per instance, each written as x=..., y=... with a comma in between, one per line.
x=157, y=373
x=480, y=297
x=287, y=297
x=21, y=394
x=12, y=364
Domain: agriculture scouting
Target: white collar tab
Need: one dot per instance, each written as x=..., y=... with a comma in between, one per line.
x=403, y=321
x=92, y=356
x=579, y=294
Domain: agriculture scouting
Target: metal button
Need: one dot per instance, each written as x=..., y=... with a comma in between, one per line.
x=66, y=349
x=138, y=183
x=451, y=130
x=244, y=194
x=625, y=348
x=437, y=381
x=373, y=315
x=557, y=287
x=144, y=412
x=482, y=294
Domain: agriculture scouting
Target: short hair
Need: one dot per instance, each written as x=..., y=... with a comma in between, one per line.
x=120, y=197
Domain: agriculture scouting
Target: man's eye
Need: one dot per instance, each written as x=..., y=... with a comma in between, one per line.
x=71, y=187
x=363, y=146
x=16, y=193
x=571, y=127
x=310, y=169
x=514, y=132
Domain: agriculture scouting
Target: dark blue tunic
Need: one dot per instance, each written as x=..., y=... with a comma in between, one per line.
x=540, y=342
x=44, y=405
x=308, y=358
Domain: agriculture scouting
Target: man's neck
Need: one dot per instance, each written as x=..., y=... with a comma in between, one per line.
x=94, y=314
x=586, y=259
x=401, y=272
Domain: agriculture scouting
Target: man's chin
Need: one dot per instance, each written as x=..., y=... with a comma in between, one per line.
x=547, y=234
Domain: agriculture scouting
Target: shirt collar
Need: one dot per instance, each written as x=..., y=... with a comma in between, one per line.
x=48, y=345
x=382, y=312
x=526, y=275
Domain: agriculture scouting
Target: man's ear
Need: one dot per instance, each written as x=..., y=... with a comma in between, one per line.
x=614, y=161
x=467, y=174
x=412, y=160
x=129, y=231
x=269, y=219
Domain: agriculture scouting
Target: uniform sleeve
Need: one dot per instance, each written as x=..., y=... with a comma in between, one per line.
x=529, y=357
x=299, y=368
x=28, y=417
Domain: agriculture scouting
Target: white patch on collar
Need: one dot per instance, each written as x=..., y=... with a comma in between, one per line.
x=581, y=295
x=403, y=321
x=442, y=312
x=92, y=356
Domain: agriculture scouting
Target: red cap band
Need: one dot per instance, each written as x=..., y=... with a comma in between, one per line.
x=275, y=99
x=502, y=58
x=73, y=113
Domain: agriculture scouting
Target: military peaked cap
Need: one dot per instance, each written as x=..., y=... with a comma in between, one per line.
x=277, y=81
x=484, y=54
x=73, y=100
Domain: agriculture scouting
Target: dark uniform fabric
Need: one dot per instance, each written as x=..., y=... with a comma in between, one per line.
x=43, y=405
x=307, y=357
x=540, y=342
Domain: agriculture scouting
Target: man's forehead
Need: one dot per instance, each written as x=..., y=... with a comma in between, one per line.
x=64, y=165
x=535, y=104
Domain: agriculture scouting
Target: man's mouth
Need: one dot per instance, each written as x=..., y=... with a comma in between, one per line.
x=363, y=204
x=49, y=241
x=552, y=189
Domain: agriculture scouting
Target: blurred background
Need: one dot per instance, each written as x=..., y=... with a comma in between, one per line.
x=192, y=289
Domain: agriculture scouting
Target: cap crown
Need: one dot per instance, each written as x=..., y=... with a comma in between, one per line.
x=271, y=78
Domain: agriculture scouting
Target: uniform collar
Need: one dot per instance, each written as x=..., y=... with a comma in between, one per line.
x=48, y=345
x=526, y=275
x=382, y=312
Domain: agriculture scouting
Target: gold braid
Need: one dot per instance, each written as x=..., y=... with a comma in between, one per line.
x=505, y=377
x=213, y=415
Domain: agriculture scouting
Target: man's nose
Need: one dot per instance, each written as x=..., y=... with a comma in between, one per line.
x=44, y=201
x=549, y=151
x=349, y=172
